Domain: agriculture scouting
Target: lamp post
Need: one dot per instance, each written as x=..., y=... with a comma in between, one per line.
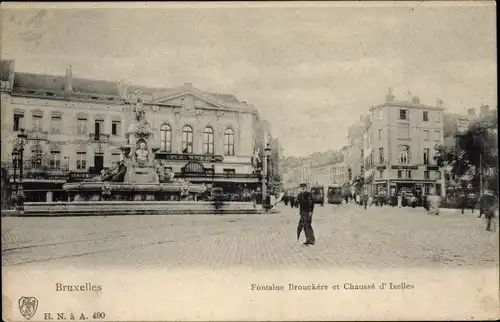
x=267, y=153
x=15, y=161
x=21, y=141
x=213, y=175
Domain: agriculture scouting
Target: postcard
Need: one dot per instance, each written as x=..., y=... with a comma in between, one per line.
x=247, y=161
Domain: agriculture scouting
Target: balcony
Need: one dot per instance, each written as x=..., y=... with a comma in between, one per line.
x=99, y=138
x=39, y=168
x=37, y=135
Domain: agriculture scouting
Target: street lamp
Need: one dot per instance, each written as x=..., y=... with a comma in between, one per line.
x=267, y=154
x=21, y=141
x=15, y=162
x=213, y=175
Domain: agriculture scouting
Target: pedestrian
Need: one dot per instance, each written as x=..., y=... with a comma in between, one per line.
x=463, y=201
x=487, y=205
x=306, y=207
x=472, y=202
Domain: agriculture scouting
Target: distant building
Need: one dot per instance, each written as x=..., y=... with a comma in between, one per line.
x=399, y=148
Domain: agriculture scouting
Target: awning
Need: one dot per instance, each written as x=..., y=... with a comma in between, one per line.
x=40, y=181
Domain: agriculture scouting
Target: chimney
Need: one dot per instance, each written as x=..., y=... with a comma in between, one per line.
x=188, y=85
x=389, y=97
x=69, y=80
x=415, y=100
x=471, y=112
x=484, y=111
x=439, y=103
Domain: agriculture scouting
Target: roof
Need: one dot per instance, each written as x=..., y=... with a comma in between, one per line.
x=6, y=66
x=408, y=105
x=57, y=84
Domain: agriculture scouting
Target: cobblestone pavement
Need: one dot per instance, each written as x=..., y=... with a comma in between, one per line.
x=348, y=236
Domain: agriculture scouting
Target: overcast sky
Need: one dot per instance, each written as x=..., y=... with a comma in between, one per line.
x=310, y=71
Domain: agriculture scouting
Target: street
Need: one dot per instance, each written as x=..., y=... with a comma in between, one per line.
x=347, y=237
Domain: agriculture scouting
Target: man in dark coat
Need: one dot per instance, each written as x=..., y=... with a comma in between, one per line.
x=306, y=207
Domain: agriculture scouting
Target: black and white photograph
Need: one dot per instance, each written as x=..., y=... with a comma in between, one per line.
x=279, y=161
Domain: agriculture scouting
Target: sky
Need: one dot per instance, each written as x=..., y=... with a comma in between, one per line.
x=310, y=70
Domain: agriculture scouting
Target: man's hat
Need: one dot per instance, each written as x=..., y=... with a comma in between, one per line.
x=303, y=185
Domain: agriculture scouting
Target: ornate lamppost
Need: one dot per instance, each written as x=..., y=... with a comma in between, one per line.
x=15, y=162
x=267, y=153
x=21, y=142
x=213, y=175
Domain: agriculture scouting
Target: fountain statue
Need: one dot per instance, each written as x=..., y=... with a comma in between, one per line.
x=138, y=176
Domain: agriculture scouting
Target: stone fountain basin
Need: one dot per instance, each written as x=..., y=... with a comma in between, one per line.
x=143, y=187
x=120, y=208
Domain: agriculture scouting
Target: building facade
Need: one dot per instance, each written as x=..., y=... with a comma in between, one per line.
x=75, y=127
x=400, y=144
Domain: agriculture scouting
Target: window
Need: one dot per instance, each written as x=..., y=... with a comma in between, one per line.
x=404, y=131
x=56, y=123
x=208, y=140
x=81, y=160
x=380, y=115
x=425, y=116
x=426, y=175
x=37, y=123
x=81, y=126
x=229, y=171
x=187, y=139
x=404, y=154
x=116, y=128
x=400, y=174
x=36, y=156
x=228, y=142
x=426, y=156
x=115, y=157
x=426, y=135
x=403, y=114
x=55, y=159
x=98, y=129
x=17, y=122
x=408, y=174
x=381, y=155
x=380, y=134
x=438, y=175
x=437, y=136
x=463, y=125
x=166, y=138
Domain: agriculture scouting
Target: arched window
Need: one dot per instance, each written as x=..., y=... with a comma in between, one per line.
x=404, y=154
x=208, y=140
x=228, y=141
x=187, y=139
x=166, y=138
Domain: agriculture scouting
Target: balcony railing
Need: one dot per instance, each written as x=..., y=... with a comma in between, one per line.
x=99, y=137
x=33, y=168
x=37, y=135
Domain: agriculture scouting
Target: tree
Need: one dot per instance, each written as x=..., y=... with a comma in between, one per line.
x=475, y=154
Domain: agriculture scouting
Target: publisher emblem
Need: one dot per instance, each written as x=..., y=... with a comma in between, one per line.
x=28, y=306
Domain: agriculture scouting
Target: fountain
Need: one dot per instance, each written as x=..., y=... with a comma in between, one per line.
x=138, y=177
x=138, y=184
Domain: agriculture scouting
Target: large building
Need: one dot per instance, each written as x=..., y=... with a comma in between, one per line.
x=399, y=146
x=75, y=127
